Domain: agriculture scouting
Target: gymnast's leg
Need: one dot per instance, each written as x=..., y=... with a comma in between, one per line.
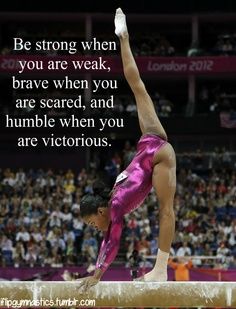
x=164, y=183
x=148, y=120
x=164, y=171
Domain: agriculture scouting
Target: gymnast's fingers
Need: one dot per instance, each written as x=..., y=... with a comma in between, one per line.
x=82, y=283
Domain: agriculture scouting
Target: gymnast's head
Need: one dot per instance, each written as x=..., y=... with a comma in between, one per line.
x=94, y=207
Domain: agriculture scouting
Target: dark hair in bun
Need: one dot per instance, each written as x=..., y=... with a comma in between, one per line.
x=90, y=203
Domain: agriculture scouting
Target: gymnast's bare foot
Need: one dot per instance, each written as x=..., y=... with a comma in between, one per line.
x=153, y=276
x=120, y=24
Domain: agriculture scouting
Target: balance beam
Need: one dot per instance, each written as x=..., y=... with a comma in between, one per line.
x=118, y=294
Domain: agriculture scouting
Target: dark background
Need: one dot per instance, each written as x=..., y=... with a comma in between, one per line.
x=154, y=6
x=190, y=131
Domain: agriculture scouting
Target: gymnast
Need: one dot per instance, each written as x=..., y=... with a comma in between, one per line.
x=154, y=165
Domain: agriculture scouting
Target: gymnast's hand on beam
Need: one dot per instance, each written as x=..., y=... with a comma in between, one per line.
x=87, y=282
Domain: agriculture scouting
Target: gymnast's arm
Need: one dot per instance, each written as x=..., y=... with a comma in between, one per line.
x=107, y=253
x=109, y=247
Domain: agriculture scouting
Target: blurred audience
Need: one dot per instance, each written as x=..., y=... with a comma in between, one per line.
x=40, y=222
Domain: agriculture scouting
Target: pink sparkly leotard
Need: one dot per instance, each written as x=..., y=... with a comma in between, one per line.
x=130, y=189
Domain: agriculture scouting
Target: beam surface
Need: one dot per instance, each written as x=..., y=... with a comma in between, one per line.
x=61, y=294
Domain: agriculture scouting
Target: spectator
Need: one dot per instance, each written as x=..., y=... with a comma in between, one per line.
x=154, y=246
x=18, y=254
x=66, y=215
x=82, y=177
x=6, y=249
x=143, y=245
x=131, y=108
x=24, y=236
x=70, y=252
x=89, y=246
x=184, y=250
x=31, y=255
x=223, y=251
x=181, y=268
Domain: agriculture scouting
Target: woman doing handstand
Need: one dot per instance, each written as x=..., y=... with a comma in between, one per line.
x=154, y=165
